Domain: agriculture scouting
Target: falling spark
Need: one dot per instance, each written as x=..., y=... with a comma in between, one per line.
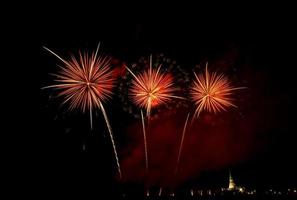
x=145, y=142
x=181, y=144
x=211, y=92
x=85, y=83
x=152, y=88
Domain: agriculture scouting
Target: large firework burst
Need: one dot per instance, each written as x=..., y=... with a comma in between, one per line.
x=152, y=88
x=84, y=83
x=211, y=92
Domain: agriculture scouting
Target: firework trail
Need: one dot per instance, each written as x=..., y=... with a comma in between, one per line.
x=181, y=144
x=210, y=92
x=111, y=138
x=85, y=83
x=145, y=142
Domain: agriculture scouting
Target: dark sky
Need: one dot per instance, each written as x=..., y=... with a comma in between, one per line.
x=257, y=41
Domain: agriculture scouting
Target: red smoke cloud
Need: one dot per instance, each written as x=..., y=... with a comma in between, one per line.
x=211, y=142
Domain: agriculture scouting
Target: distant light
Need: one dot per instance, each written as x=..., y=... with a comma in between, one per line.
x=209, y=192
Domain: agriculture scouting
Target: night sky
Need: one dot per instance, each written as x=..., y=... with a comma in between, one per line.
x=257, y=140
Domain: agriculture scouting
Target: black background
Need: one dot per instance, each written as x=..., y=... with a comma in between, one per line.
x=48, y=160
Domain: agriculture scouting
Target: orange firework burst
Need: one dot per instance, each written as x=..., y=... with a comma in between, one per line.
x=84, y=83
x=152, y=88
x=211, y=92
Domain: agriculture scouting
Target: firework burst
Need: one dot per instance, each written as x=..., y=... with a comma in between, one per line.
x=171, y=67
x=84, y=83
x=152, y=88
x=211, y=92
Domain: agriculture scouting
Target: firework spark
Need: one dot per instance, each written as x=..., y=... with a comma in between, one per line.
x=84, y=83
x=152, y=88
x=211, y=92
